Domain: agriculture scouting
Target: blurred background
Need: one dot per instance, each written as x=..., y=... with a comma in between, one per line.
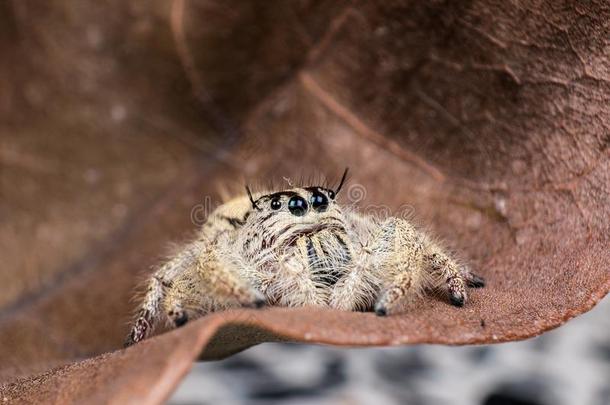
x=123, y=122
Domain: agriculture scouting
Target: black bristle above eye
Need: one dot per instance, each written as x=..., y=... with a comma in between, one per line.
x=252, y=198
x=343, y=178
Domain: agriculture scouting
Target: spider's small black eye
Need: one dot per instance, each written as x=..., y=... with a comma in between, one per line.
x=297, y=206
x=331, y=194
x=276, y=204
x=319, y=201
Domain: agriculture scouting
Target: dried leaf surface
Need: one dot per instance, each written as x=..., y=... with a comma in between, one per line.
x=489, y=122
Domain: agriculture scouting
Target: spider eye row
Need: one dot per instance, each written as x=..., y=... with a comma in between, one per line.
x=298, y=206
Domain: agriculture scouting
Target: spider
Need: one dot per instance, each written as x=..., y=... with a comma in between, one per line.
x=298, y=247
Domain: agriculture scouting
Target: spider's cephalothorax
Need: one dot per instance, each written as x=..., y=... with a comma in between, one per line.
x=295, y=238
x=298, y=247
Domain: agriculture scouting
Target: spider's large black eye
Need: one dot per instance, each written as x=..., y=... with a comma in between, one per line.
x=319, y=201
x=297, y=206
x=276, y=204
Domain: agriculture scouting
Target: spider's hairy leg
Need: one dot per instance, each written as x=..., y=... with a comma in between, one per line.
x=400, y=286
x=210, y=284
x=191, y=284
x=355, y=290
x=400, y=251
x=358, y=289
x=150, y=313
x=426, y=264
x=450, y=276
x=220, y=279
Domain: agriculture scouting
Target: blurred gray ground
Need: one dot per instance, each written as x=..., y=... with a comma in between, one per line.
x=569, y=365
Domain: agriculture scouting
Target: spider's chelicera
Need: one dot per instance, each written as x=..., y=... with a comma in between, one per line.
x=298, y=247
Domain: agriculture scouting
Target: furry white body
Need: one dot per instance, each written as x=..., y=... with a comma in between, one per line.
x=270, y=251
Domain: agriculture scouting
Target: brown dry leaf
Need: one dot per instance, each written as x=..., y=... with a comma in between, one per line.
x=489, y=120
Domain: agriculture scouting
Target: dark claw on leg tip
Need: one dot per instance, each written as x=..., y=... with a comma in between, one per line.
x=380, y=311
x=259, y=303
x=476, y=282
x=457, y=301
x=181, y=320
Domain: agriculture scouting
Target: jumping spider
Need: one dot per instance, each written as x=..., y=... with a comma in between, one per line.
x=293, y=248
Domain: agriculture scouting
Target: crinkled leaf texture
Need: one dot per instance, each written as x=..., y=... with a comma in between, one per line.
x=124, y=121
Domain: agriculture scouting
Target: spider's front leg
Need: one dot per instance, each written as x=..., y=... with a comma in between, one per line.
x=196, y=281
x=411, y=261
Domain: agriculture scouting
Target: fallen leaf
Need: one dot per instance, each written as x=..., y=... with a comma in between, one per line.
x=122, y=123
